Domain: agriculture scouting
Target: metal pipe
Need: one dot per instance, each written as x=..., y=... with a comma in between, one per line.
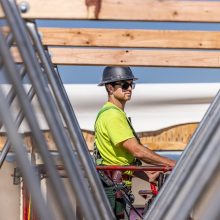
x=200, y=175
x=73, y=127
x=9, y=41
x=22, y=159
x=4, y=152
x=211, y=210
x=134, y=168
x=10, y=97
x=84, y=155
x=56, y=183
x=169, y=189
x=19, y=119
x=11, y=94
x=77, y=181
x=178, y=178
x=125, y=168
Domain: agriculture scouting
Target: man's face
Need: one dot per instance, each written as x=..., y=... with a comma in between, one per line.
x=122, y=90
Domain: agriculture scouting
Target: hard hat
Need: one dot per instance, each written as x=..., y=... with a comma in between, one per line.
x=116, y=73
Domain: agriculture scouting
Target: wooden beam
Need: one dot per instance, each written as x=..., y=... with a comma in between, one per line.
x=171, y=138
x=145, y=10
x=29, y=142
x=103, y=57
x=93, y=37
x=130, y=38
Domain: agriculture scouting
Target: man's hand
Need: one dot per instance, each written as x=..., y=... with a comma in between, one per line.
x=149, y=176
x=152, y=175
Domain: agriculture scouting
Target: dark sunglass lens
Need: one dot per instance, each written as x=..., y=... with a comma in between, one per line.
x=125, y=85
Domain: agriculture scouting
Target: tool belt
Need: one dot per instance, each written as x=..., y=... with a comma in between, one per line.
x=116, y=190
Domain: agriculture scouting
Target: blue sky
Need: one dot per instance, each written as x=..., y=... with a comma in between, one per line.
x=92, y=74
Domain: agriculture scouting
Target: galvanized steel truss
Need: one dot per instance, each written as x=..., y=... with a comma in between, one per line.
x=82, y=175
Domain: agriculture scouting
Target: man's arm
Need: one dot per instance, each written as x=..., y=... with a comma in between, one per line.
x=145, y=154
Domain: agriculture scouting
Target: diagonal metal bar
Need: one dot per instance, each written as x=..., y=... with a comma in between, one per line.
x=188, y=163
x=11, y=94
x=19, y=119
x=9, y=41
x=201, y=173
x=77, y=181
x=10, y=97
x=23, y=161
x=56, y=183
x=211, y=210
x=4, y=152
x=72, y=127
x=169, y=189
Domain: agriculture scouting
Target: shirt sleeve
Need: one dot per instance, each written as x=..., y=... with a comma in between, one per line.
x=118, y=128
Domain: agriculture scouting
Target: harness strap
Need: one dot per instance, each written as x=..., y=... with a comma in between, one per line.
x=134, y=133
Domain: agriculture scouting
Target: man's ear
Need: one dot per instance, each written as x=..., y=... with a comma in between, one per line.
x=109, y=88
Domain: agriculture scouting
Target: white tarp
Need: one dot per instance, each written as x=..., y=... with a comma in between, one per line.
x=153, y=106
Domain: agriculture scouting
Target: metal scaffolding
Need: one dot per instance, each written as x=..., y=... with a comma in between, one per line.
x=46, y=84
x=195, y=175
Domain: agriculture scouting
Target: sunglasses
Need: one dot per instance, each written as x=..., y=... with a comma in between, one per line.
x=125, y=85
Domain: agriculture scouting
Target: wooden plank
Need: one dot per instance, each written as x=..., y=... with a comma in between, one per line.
x=146, y=10
x=163, y=58
x=171, y=138
x=28, y=141
x=92, y=37
x=130, y=38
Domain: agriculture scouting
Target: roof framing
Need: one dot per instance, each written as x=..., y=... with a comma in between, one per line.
x=139, y=10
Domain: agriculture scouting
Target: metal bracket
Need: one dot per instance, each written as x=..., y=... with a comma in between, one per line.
x=17, y=176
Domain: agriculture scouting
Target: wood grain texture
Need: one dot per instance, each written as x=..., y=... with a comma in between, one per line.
x=130, y=38
x=171, y=138
x=96, y=37
x=104, y=57
x=145, y=10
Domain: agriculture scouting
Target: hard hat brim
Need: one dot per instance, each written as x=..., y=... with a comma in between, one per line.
x=115, y=80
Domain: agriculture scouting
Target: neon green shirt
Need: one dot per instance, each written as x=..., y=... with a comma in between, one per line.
x=112, y=128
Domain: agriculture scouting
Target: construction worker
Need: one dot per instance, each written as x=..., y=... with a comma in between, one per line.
x=115, y=139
